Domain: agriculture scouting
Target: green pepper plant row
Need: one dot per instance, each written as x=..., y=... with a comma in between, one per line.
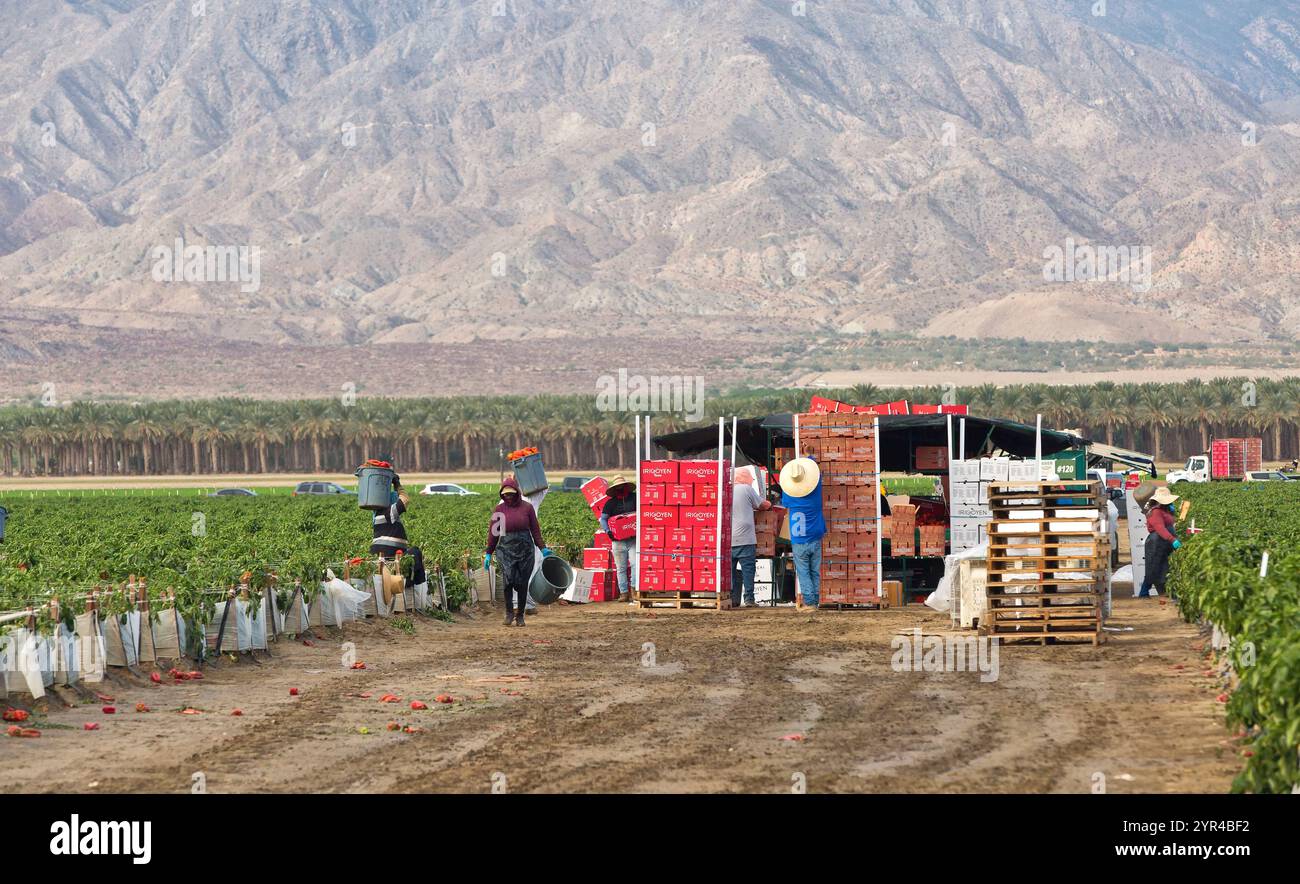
x=1216, y=578
x=65, y=547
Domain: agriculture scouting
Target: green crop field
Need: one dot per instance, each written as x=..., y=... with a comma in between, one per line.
x=65, y=546
x=1216, y=578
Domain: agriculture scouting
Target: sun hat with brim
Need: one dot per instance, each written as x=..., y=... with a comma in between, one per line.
x=1164, y=496
x=617, y=482
x=800, y=476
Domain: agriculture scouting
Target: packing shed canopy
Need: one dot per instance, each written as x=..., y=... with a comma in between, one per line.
x=900, y=434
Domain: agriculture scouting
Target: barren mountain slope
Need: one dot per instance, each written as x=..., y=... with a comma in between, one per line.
x=413, y=170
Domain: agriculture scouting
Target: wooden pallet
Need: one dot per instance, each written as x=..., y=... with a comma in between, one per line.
x=677, y=599
x=1045, y=609
x=848, y=606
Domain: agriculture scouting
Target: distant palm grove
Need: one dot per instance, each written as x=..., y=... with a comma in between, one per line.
x=1168, y=421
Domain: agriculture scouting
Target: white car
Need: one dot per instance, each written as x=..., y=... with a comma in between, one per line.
x=454, y=490
x=1268, y=476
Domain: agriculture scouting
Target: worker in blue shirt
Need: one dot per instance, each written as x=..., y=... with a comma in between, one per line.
x=801, y=494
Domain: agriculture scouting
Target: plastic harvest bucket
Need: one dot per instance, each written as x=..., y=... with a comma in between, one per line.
x=551, y=580
x=530, y=474
x=374, y=488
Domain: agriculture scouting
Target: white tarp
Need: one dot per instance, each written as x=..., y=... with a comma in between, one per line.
x=941, y=599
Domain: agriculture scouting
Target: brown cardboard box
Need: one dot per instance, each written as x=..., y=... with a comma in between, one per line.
x=893, y=590
x=812, y=426
x=931, y=457
x=832, y=451
x=835, y=543
x=835, y=569
x=834, y=498
x=862, y=448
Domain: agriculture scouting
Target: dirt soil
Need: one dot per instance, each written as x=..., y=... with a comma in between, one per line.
x=567, y=704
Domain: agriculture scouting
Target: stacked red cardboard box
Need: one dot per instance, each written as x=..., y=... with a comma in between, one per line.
x=902, y=530
x=844, y=445
x=678, y=500
x=767, y=527
x=599, y=559
x=1235, y=457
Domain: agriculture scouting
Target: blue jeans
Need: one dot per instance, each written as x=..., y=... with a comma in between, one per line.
x=624, y=561
x=808, y=568
x=742, y=567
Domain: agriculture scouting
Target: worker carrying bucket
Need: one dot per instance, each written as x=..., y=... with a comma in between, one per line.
x=513, y=534
x=379, y=489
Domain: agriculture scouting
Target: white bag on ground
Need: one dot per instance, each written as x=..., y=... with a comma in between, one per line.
x=20, y=665
x=346, y=601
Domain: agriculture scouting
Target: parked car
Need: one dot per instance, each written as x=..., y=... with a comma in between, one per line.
x=574, y=483
x=1268, y=476
x=233, y=492
x=447, y=488
x=321, y=488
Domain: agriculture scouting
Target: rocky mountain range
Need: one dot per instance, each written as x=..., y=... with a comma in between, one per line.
x=287, y=174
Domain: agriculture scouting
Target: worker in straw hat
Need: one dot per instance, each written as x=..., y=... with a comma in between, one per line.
x=801, y=494
x=620, y=500
x=1162, y=540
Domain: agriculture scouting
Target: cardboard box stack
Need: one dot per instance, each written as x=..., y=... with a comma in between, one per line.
x=968, y=505
x=767, y=527
x=679, y=526
x=902, y=530
x=844, y=445
x=599, y=560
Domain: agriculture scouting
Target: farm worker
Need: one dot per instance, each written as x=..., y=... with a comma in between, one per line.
x=745, y=499
x=801, y=494
x=388, y=523
x=512, y=533
x=620, y=500
x=1161, y=540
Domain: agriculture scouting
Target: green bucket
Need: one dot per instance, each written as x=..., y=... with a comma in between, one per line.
x=551, y=580
x=374, y=488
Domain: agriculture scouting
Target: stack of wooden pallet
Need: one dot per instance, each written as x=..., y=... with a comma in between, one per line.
x=1046, y=562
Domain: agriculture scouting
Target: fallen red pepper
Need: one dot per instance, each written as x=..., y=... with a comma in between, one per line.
x=12, y=714
x=90, y=726
x=444, y=698
x=417, y=705
x=109, y=710
x=293, y=692
x=140, y=707
x=236, y=711
x=155, y=678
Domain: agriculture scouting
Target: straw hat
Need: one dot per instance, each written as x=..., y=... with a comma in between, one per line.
x=800, y=476
x=617, y=481
x=1164, y=496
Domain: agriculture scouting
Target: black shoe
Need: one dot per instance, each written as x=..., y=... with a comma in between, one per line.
x=510, y=618
x=519, y=621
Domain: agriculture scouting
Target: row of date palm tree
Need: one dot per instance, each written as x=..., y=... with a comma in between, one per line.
x=1169, y=421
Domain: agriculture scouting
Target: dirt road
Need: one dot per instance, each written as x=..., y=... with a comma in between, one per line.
x=567, y=705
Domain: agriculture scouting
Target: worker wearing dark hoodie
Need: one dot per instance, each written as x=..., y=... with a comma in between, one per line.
x=512, y=534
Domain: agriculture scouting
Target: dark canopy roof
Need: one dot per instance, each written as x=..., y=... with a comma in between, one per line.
x=900, y=434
